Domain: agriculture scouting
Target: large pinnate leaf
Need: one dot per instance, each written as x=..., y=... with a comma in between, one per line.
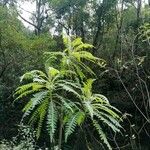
x=52, y=117
x=73, y=121
x=101, y=134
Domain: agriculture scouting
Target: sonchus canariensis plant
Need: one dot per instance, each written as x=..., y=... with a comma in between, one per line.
x=65, y=102
x=95, y=108
x=74, y=56
x=46, y=100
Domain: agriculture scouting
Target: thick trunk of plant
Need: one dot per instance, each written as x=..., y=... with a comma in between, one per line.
x=60, y=132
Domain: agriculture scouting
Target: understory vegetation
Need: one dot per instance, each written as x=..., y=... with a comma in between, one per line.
x=75, y=75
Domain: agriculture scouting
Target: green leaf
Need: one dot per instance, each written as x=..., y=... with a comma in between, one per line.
x=52, y=120
x=83, y=46
x=89, y=108
x=87, y=88
x=36, y=100
x=52, y=71
x=70, y=125
x=101, y=134
x=80, y=117
x=107, y=121
x=42, y=113
x=69, y=89
x=77, y=42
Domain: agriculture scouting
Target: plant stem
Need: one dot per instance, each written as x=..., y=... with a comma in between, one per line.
x=60, y=132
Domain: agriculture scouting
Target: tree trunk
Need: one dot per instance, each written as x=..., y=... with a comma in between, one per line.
x=99, y=28
x=139, y=5
x=82, y=31
x=38, y=16
x=119, y=26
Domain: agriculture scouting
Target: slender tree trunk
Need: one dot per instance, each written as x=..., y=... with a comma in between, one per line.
x=5, y=65
x=82, y=32
x=2, y=71
x=96, y=38
x=38, y=17
x=100, y=14
x=119, y=26
x=139, y=5
x=0, y=38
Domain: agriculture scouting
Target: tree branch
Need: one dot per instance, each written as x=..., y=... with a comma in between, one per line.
x=27, y=21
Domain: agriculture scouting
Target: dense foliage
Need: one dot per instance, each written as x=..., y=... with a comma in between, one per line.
x=58, y=88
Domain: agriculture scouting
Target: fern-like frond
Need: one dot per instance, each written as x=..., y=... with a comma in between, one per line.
x=84, y=67
x=42, y=114
x=70, y=125
x=80, y=117
x=106, y=109
x=70, y=83
x=87, y=88
x=83, y=46
x=26, y=76
x=76, y=42
x=107, y=122
x=79, y=71
x=36, y=100
x=86, y=55
x=39, y=80
x=32, y=74
x=101, y=134
x=24, y=87
x=68, y=104
x=89, y=108
x=68, y=89
x=112, y=119
x=68, y=72
x=27, y=89
x=25, y=94
x=100, y=98
x=38, y=73
x=52, y=118
x=34, y=116
x=113, y=108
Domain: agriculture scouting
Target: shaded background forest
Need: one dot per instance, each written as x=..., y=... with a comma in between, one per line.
x=119, y=30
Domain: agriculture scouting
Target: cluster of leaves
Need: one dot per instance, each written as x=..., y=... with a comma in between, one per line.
x=144, y=32
x=63, y=97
